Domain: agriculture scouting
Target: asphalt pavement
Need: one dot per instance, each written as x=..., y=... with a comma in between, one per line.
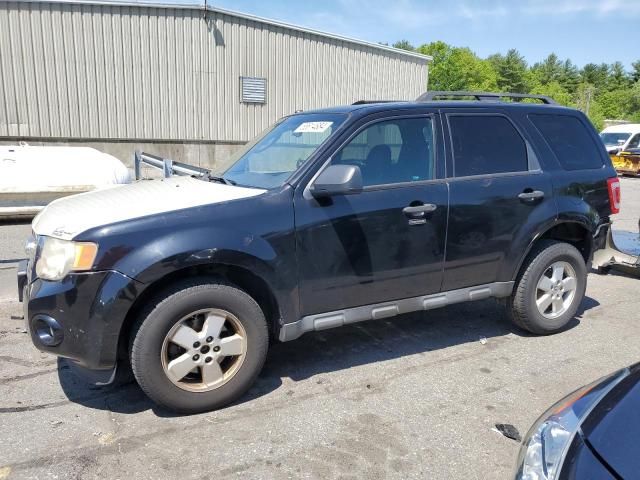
x=414, y=397
x=12, y=240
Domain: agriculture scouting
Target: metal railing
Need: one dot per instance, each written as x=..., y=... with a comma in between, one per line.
x=169, y=167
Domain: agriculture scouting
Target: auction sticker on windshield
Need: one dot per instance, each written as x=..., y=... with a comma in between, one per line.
x=313, y=127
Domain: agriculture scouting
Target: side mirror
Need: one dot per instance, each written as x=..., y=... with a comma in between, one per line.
x=337, y=180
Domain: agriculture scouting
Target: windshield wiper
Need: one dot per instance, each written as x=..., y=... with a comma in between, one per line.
x=225, y=181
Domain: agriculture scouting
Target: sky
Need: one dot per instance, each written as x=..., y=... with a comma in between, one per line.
x=583, y=30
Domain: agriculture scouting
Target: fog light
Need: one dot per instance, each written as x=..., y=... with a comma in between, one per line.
x=48, y=330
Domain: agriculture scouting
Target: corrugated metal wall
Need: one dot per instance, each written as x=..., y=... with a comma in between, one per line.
x=128, y=72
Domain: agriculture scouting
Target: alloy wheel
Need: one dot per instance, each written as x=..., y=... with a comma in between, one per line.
x=556, y=289
x=204, y=350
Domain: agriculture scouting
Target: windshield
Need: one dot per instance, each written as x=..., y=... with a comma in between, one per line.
x=269, y=161
x=617, y=138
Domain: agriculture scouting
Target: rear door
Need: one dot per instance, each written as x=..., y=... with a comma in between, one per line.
x=499, y=197
x=387, y=242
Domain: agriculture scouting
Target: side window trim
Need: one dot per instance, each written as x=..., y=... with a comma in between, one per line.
x=435, y=125
x=533, y=164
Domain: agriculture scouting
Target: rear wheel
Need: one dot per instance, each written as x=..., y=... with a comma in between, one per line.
x=200, y=347
x=549, y=288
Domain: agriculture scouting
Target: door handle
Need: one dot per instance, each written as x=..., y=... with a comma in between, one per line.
x=419, y=210
x=530, y=196
x=417, y=213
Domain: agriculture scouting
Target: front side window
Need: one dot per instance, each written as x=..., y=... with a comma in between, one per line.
x=486, y=144
x=392, y=151
x=570, y=141
x=614, y=139
x=634, y=142
x=269, y=161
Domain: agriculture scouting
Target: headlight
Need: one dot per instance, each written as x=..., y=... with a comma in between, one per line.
x=59, y=257
x=546, y=444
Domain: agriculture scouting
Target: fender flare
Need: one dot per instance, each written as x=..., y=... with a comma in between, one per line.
x=546, y=229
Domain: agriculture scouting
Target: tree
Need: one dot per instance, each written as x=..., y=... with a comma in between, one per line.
x=456, y=68
x=439, y=50
x=404, y=45
x=634, y=108
x=555, y=91
x=549, y=70
x=602, y=91
x=570, y=77
x=552, y=70
x=511, y=70
x=614, y=104
x=595, y=75
x=635, y=74
x=618, y=77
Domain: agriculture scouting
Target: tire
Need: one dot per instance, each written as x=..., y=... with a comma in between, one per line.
x=152, y=339
x=522, y=306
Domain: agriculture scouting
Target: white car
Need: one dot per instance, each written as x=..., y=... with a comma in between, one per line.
x=31, y=177
x=621, y=137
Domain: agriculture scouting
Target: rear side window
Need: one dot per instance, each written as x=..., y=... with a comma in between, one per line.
x=486, y=144
x=570, y=141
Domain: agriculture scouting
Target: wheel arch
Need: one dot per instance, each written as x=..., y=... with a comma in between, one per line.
x=575, y=233
x=245, y=279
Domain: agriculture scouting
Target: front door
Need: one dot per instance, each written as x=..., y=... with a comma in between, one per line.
x=386, y=243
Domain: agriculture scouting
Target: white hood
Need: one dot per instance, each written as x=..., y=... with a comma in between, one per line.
x=69, y=216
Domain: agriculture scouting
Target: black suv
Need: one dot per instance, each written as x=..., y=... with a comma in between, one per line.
x=331, y=217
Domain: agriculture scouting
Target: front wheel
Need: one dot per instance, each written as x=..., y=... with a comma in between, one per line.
x=549, y=288
x=201, y=347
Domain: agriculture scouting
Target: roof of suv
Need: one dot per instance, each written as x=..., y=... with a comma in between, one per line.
x=365, y=108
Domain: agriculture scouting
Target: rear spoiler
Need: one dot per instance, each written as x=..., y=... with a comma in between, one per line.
x=169, y=167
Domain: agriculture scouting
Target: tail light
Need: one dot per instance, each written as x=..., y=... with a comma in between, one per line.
x=613, y=185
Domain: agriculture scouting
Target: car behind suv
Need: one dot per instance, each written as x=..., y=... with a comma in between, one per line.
x=331, y=217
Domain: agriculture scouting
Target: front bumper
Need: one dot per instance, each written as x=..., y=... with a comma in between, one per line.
x=626, y=164
x=80, y=317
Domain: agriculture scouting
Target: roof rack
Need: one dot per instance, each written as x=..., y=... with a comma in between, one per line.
x=366, y=102
x=484, y=96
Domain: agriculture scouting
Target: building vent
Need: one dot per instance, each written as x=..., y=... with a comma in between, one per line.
x=253, y=90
